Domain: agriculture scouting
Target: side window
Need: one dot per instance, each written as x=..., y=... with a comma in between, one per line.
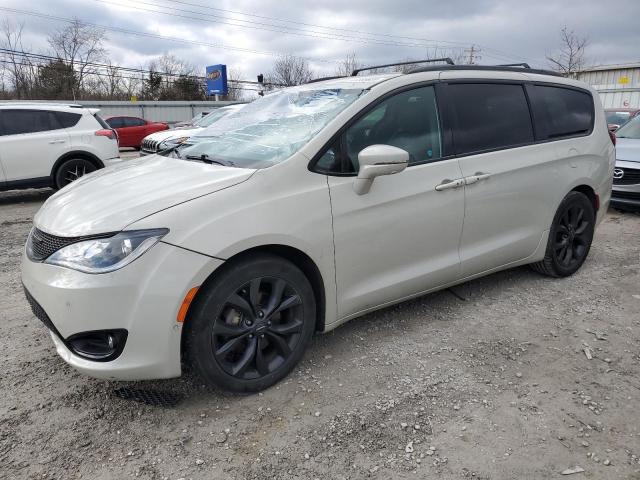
x=115, y=122
x=560, y=112
x=133, y=122
x=489, y=116
x=14, y=122
x=66, y=119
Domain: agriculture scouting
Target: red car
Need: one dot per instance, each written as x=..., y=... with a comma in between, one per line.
x=131, y=130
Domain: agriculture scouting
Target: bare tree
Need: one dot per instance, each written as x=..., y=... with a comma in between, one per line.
x=570, y=59
x=236, y=92
x=289, y=70
x=80, y=46
x=348, y=65
x=21, y=73
x=111, y=81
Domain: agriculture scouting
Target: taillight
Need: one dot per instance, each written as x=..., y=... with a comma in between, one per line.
x=612, y=136
x=106, y=133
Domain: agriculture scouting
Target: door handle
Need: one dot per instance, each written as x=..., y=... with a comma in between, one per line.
x=476, y=178
x=56, y=141
x=448, y=184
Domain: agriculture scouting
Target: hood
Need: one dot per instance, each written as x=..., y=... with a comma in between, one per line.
x=173, y=133
x=110, y=199
x=628, y=149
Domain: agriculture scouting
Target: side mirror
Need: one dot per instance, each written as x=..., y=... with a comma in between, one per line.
x=377, y=160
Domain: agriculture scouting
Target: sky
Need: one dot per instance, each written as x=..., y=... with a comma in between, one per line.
x=247, y=36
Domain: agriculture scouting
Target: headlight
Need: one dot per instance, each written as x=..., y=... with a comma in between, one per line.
x=172, y=142
x=102, y=255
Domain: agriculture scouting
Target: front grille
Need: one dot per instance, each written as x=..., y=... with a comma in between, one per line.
x=630, y=176
x=625, y=195
x=41, y=245
x=40, y=314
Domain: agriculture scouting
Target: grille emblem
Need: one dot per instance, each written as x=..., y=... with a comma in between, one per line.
x=618, y=173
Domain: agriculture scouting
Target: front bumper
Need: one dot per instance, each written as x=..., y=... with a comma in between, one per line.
x=142, y=298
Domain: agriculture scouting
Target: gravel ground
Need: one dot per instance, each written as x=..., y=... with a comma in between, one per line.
x=486, y=381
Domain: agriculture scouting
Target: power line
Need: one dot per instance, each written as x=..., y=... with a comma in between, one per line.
x=153, y=35
x=351, y=31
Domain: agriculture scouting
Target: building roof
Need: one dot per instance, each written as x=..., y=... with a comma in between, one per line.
x=616, y=66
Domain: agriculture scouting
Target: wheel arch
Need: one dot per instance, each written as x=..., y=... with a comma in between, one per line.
x=75, y=154
x=590, y=193
x=296, y=256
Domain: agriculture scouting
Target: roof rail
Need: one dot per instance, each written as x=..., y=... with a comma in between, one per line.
x=523, y=65
x=432, y=60
x=322, y=79
x=494, y=68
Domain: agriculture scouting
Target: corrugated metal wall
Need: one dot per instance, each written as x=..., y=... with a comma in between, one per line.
x=618, y=87
x=167, y=111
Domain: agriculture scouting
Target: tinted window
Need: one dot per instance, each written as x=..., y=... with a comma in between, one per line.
x=489, y=116
x=560, y=112
x=133, y=122
x=66, y=119
x=13, y=122
x=115, y=122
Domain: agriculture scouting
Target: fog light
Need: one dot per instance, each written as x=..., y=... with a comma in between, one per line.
x=98, y=345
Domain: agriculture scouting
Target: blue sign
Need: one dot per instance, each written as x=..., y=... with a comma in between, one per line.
x=217, y=80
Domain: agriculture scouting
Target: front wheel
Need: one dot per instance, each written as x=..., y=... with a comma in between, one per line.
x=569, y=238
x=251, y=325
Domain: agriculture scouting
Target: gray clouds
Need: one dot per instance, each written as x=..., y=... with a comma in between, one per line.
x=506, y=30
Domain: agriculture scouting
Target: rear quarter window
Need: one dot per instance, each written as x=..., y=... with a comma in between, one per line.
x=560, y=112
x=489, y=116
x=66, y=119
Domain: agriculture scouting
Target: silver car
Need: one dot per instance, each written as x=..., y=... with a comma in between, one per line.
x=626, y=176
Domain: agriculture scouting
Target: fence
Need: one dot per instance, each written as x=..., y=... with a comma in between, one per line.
x=161, y=111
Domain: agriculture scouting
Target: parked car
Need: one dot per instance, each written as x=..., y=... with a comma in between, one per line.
x=626, y=176
x=616, y=117
x=193, y=121
x=131, y=130
x=311, y=206
x=51, y=145
x=156, y=142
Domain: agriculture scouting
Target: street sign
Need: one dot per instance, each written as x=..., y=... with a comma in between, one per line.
x=217, y=80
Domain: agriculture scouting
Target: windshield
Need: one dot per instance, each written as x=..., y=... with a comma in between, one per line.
x=630, y=130
x=617, y=118
x=270, y=129
x=212, y=117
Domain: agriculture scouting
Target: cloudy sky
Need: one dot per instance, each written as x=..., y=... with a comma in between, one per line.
x=248, y=35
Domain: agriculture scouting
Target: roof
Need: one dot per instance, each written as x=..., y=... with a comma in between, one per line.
x=39, y=105
x=360, y=82
x=617, y=66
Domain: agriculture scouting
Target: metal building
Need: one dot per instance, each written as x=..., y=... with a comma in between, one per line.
x=618, y=85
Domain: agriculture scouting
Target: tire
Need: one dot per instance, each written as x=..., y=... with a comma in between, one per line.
x=251, y=325
x=71, y=170
x=570, y=237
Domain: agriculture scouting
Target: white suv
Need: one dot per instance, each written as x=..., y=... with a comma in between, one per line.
x=311, y=206
x=50, y=145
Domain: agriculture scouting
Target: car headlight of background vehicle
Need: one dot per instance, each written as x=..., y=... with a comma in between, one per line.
x=102, y=255
x=172, y=142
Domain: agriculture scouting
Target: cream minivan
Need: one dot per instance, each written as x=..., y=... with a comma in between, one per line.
x=311, y=206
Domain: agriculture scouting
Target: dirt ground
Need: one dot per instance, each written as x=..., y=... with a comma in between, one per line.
x=488, y=381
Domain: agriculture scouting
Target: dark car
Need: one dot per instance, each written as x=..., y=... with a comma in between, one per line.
x=616, y=117
x=131, y=130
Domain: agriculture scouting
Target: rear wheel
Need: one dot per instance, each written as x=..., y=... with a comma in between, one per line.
x=71, y=170
x=251, y=325
x=569, y=238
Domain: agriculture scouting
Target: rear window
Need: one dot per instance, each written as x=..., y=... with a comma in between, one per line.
x=560, y=112
x=20, y=121
x=115, y=122
x=618, y=118
x=489, y=116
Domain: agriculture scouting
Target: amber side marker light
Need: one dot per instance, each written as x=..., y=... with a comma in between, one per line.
x=184, y=308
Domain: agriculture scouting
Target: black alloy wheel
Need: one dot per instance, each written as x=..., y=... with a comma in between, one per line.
x=250, y=324
x=72, y=170
x=258, y=328
x=570, y=236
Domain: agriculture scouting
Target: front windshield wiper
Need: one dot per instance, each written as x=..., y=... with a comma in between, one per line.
x=207, y=159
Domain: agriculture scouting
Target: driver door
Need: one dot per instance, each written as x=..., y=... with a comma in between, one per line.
x=402, y=237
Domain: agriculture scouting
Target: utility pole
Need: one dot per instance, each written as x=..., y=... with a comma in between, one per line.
x=473, y=54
